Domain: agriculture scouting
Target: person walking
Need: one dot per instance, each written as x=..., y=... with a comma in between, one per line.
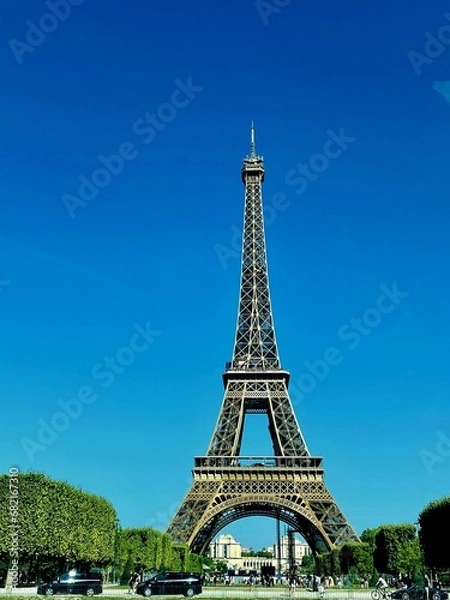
x=292, y=584
x=132, y=582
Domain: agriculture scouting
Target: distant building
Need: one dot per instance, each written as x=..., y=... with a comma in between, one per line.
x=225, y=548
x=228, y=550
x=285, y=550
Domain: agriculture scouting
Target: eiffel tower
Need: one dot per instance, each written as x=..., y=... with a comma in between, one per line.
x=288, y=486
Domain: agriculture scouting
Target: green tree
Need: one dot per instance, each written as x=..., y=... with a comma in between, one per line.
x=323, y=563
x=195, y=563
x=434, y=533
x=328, y=563
x=357, y=557
x=221, y=566
x=141, y=550
x=368, y=536
x=60, y=526
x=146, y=549
x=308, y=564
x=166, y=551
x=409, y=559
x=181, y=557
x=209, y=563
x=390, y=542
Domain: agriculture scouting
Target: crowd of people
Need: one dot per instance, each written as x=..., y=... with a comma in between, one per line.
x=315, y=583
x=312, y=582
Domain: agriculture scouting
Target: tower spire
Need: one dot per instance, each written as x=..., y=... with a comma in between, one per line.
x=252, y=141
x=255, y=346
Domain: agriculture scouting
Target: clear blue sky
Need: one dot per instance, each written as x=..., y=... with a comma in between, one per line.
x=144, y=249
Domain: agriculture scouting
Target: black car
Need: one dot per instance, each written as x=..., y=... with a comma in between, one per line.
x=414, y=592
x=171, y=583
x=73, y=582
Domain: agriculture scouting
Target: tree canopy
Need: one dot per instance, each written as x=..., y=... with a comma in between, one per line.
x=146, y=549
x=434, y=533
x=392, y=543
x=56, y=521
x=357, y=556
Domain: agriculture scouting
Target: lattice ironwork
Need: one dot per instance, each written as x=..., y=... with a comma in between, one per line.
x=245, y=396
x=289, y=485
x=255, y=346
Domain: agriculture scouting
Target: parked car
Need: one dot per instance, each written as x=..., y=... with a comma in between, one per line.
x=171, y=583
x=73, y=582
x=414, y=592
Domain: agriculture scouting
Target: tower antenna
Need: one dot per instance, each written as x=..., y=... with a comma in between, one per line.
x=252, y=141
